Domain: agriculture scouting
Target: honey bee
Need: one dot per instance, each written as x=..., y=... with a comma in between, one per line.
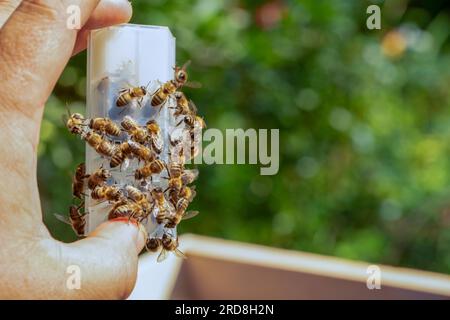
x=127, y=95
x=114, y=212
x=175, y=171
x=153, y=244
x=78, y=181
x=98, y=178
x=169, y=244
x=129, y=209
x=154, y=132
x=75, y=123
x=188, y=193
x=181, y=77
x=101, y=145
x=139, y=197
x=185, y=192
x=160, y=207
x=184, y=106
x=162, y=94
x=120, y=154
x=136, y=132
x=105, y=125
x=146, y=171
x=193, y=122
x=171, y=86
x=141, y=152
x=174, y=218
x=76, y=219
x=109, y=193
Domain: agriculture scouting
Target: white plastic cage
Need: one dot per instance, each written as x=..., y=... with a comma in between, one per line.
x=120, y=57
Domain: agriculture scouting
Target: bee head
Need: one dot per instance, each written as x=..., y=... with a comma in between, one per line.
x=144, y=90
x=105, y=173
x=178, y=95
x=181, y=76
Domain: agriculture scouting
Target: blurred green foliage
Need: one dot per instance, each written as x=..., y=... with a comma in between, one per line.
x=364, y=119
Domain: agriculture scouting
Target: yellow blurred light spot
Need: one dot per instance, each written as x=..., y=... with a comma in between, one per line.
x=429, y=150
x=393, y=44
x=41, y=149
x=47, y=130
x=62, y=156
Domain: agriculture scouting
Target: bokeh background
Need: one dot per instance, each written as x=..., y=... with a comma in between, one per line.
x=364, y=119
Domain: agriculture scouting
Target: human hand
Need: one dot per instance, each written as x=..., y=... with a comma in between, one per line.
x=35, y=46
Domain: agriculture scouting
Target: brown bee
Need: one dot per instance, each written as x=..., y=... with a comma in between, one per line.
x=105, y=125
x=169, y=244
x=76, y=219
x=181, y=77
x=155, y=138
x=153, y=244
x=171, y=86
x=114, y=212
x=101, y=145
x=175, y=171
x=139, y=197
x=185, y=192
x=141, y=152
x=136, y=132
x=184, y=106
x=146, y=171
x=109, y=193
x=188, y=193
x=162, y=94
x=127, y=95
x=75, y=123
x=78, y=181
x=98, y=178
x=193, y=122
x=120, y=154
x=130, y=209
x=174, y=218
x=160, y=207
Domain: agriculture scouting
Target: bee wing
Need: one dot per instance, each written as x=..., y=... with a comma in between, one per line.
x=158, y=142
x=64, y=119
x=193, y=172
x=193, y=84
x=189, y=215
x=193, y=194
x=193, y=107
x=186, y=64
x=62, y=218
x=179, y=253
x=162, y=256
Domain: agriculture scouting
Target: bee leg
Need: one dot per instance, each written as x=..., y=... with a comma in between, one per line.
x=140, y=102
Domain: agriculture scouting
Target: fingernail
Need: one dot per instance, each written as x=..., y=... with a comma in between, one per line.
x=125, y=219
x=142, y=238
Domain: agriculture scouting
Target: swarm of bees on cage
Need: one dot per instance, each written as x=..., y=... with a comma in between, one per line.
x=141, y=200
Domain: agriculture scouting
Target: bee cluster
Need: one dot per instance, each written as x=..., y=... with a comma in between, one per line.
x=120, y=142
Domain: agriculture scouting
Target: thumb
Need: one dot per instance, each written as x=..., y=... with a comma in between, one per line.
x=108, y=259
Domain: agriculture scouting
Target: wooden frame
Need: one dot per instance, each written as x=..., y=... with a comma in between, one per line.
x=222, y=269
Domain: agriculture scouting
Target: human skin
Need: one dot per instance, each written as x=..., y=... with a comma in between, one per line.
x=35, y=46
